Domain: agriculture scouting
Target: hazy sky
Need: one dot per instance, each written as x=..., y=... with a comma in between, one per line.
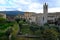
x=29, y=5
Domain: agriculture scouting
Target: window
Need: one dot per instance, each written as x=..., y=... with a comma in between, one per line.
x=43, y=18
x=51, y=16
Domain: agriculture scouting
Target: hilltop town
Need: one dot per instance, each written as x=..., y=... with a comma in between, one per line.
x=37, y=18
x=17, y=25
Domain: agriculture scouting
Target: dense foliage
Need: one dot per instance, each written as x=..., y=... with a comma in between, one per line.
x=22, y=27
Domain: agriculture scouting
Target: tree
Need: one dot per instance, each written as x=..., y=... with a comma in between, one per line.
x=33, y=29
x=17, y=20
x=8, y=33
x=50, y=34
x=47, y=32
x=2, y=20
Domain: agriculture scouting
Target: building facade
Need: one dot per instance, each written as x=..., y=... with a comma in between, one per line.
x=2, y=15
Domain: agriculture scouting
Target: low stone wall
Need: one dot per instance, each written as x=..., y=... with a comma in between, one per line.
x=27, y=38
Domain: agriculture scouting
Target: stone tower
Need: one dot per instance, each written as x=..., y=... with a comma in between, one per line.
x=45, y=12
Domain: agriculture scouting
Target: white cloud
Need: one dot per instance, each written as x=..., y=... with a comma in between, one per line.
x=28, y=5
x=19, y=9
x=34, y=7
x=2, y=8
x=5, y=8
x=22, y=1
x=56, y=9
x=2, y=1
x=37, y=7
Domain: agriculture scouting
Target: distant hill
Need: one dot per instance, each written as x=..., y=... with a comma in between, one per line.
x=10, y=13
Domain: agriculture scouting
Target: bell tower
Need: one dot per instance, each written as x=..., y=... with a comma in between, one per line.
x=45, y=13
